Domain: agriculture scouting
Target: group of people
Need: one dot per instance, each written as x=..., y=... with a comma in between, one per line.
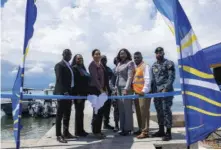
x=130, y=76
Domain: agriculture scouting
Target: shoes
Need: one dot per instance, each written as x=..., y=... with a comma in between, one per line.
x=143, y=135
x=82, y=134
x=125, y=133
x=159, y=133
x=168, y=135
x=103, y=134
x=109, y=127
x=61, y=139
x=69, y=136
x=99, y=135
x=116, y=129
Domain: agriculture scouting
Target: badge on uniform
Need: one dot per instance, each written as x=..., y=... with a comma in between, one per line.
x=170, y=65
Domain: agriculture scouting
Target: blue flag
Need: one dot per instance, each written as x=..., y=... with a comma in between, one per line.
x=201, y=94
x=213, y=55
x=30, y=18
x=16, y=108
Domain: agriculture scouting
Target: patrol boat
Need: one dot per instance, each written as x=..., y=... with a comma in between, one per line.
x=34, y=107
x=43, y=108
x=6, y=104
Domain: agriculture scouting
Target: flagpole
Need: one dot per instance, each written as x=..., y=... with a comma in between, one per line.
x=181, y=72
x=19, y=126
x=25, y=49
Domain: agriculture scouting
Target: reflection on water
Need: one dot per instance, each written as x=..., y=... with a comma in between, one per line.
x=33, y=128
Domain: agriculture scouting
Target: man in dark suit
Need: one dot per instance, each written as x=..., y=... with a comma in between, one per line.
x=107, y=105
x=64, y=83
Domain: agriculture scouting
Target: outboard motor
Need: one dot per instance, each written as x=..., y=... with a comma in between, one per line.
x=36, y=109
x=47, y=108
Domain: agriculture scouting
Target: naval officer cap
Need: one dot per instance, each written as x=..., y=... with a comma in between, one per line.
x=159, y=49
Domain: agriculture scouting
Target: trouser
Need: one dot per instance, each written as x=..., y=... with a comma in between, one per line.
x=138, y=113
x=97, y=118
x=107, y=107
x=97, y=121
x=116, y=111
x=145, y=113
x=163, y=107
x=126, y=113
x=79, y=116
x=63, y=112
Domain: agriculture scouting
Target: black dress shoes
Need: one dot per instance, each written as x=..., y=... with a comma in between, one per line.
x=116, y=129
x=69, y=136
x=167, y=137
x=61, y=139
x=109, y=127
x=82, y=134
x=125, y=133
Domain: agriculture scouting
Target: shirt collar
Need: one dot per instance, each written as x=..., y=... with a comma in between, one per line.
x=66, y=62
x=140, y=64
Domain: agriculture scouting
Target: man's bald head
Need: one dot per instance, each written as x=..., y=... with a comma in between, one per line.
x=67, y=55
x=104, y=60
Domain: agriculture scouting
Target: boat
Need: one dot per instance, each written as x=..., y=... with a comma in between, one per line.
x=33, y=107
x=43, y=108
x=6, y=104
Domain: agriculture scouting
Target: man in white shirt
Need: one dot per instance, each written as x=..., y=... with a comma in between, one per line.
x=141, y=86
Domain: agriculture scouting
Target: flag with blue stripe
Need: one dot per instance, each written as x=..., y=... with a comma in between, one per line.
x=30, y=18
x=16, y=107
x=211, y=53
x=201, y=94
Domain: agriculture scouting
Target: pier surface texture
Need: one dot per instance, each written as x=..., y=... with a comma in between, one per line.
x=112, y=141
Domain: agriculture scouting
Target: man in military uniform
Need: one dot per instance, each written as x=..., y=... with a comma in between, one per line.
x=163, y=76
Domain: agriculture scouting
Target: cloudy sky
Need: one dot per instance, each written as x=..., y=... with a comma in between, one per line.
x=108, y=25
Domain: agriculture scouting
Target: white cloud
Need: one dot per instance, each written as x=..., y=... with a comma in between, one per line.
x=35, y=70
x=14, y=71
x=105, y=24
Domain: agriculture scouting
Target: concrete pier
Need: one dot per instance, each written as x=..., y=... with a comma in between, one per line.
x=112, y=141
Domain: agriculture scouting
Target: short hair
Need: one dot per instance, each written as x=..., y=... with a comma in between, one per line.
x=137, y=53
x=66, y=51
x=103, y=56
x=94, y=51
x=127, y=52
